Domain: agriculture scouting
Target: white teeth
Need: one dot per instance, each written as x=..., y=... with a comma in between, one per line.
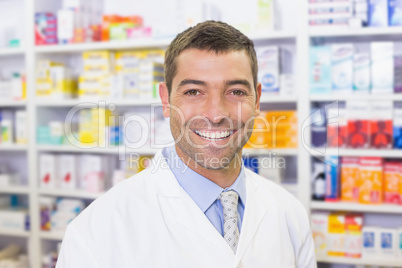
x=214, y=135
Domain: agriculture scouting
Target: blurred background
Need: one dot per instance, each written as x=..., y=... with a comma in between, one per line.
x=80, y=112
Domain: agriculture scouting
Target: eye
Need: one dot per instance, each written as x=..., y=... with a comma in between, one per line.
x=238, y=92
x=192, y=92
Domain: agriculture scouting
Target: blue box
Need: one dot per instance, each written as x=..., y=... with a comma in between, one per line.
x=378, y=13
x=332, y=178
x=395, y=12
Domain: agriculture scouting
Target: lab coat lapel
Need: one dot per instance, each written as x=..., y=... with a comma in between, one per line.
x=254, y=213
x=179, y=209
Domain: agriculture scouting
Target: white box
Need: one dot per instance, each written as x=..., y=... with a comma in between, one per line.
x=361, y=73
x=382, y=67
x=371, y=242
x=268, y=68
x=13, y=220
x=65, y=25
x=21, y=127
x=92, y=173
x=47, y=171
x=388, y=243
x=67, y=171
x=319, y=227
x=342, y=68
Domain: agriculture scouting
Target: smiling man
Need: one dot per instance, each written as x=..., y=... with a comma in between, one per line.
x=196, y=205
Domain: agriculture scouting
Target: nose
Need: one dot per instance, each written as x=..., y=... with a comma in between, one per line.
x=216, y=108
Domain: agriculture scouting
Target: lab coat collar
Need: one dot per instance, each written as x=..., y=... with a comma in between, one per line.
x=188, y=214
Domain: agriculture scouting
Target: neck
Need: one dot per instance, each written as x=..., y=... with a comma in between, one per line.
x=223, y=177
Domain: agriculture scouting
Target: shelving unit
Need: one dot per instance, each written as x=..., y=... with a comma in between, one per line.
x=300, y=39
x=382, y=263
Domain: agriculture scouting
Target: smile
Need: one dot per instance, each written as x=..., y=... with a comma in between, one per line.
x=216, y=136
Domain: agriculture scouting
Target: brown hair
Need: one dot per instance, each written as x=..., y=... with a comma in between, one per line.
x=215, y=36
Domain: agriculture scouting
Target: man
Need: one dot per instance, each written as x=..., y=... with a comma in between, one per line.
x=196, y=205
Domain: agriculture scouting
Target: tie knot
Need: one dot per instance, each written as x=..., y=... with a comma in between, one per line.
x=229, y=201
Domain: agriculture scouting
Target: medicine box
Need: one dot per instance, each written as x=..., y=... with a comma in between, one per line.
x=381, y=124
x=395, y=12
x=336, y=235
x=370, y=180
x=342, y=68
x=349, y=179
x=353, y=240
x=392, y=179
x=13, y=220
x=268, y=68
x=371, y=242
x=67, y=171
x=318, y=128
x=332, y=177
x=382, y=67
x=397, y=128
x=319, y=227
x=47, y=171
x=358, y=113
x=361, y=73
x=378, y=13
x=337, y=127
x=320, y=70
x=388, y=243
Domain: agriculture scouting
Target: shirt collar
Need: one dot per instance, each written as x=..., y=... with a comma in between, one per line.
x=203, y=191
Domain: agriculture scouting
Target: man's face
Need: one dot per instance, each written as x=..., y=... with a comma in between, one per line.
x=213, y=103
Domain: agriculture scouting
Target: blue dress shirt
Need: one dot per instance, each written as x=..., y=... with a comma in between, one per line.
x=204, y=192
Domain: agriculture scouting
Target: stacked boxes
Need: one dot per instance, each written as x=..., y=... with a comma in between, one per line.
x=13, y=127
x=330, y=13
x=274, y=129
x=54, y=81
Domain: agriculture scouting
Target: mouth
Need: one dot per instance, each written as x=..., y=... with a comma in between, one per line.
x=214, y=135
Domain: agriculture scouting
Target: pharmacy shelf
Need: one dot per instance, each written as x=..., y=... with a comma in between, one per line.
x=267, y=98
x=332, y=98
x=111, y=150
x=55, y=236
x=14, y=233
x=88, y=103
x=13, y=147
x=270, y=152
x=69, y=193
x=349, y=32
x=349, y=206
x=110, y=45
x=389, y=153
x=14, y=190
x=11, y=51
x=12, y=103
x=379, y=262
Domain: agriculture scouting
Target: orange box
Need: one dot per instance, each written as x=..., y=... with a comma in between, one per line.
x=370, y=180
x=400, y=183
x=392, y=179
x=349, y=179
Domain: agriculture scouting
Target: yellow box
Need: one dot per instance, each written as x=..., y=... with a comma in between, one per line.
x=98, y=62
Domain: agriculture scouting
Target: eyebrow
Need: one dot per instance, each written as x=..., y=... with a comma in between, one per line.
x=238, y=82
x=227, y=83
x=191, y=81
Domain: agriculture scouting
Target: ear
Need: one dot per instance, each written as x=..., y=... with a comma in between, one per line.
x=257, y=101
x=164, y=95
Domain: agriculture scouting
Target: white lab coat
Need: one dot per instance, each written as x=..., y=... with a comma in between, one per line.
x=150, y=221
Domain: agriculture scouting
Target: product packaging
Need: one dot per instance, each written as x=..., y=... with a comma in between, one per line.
x=398, y=74
x=318, y=128
x=370, y=180
x=336, y=235
x=353, y=240
x=268, y=68
x=392, y=179
x=342, y=68
x=397, y=128
x=378, y=13
x=381, y=124
x=388, y=243
x=394, y=12
x=371, y=243
x=349, y=179
x=358, y=113
x=319, y=228
x=382, y=67
x=21, y=127
x=47, y=171
x=361, y=73
x=332, y=177
x=67, y=171
x=320, y=70
x=337, y=132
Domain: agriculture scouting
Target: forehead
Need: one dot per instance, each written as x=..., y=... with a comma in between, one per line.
x=196, y=61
